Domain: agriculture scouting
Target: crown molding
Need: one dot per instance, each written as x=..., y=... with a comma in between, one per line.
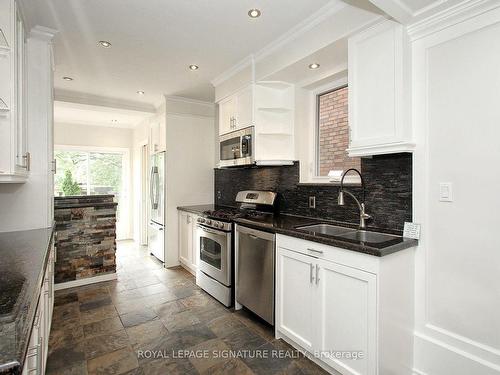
x=43, y=33
x=301, y=28
x=95, y=100
x=183, y=99
x=449, y=17
x=238, y=67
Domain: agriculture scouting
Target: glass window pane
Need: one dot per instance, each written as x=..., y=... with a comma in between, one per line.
x=71, y=176
x=106, y=174
x=333, y=133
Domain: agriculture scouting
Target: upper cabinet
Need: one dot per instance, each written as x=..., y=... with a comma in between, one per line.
x=158, y=136
x=236, y=111
x=379, y=94
x=14, y=154
x=268, y=106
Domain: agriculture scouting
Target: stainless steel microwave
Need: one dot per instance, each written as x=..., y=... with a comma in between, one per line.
x=237, y=148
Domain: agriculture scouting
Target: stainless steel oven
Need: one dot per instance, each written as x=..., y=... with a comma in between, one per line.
x=214, y=245
x=237, y=148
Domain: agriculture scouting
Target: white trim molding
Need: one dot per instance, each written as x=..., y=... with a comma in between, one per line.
x=85, y=281
x=449, y=17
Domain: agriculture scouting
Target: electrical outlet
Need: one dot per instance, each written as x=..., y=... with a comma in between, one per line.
x=312, y=202
x=219, y=194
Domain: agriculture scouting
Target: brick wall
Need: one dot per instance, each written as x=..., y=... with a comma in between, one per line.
x=334, y=133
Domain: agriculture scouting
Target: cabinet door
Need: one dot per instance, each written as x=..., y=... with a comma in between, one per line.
x=346, y=316
x=185, y=238
x=376, y=95
x=21, y=131
x=244, y=108
x=294, y=297
x=194, y=241
x=226, y=115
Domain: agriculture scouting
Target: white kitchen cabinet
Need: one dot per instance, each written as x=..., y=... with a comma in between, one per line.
x=236, y=111
x=188, y=254
x=37, y=352
x=295, y=308
x=14, y=156
x=379, y=92
x=338, y=304
x=226, y=115
x=269, y=108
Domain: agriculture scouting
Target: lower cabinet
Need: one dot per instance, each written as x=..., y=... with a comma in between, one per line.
x=348, y=310
x=188, y=254
x=36, y=355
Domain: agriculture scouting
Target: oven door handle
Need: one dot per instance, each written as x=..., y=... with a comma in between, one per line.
x=208, y=230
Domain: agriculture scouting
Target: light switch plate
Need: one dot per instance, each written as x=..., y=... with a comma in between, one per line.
x=312, y=201
x=445, y=192
x=411, y=230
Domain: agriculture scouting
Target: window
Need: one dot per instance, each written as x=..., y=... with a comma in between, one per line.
x=333, y=133
x=89, y=172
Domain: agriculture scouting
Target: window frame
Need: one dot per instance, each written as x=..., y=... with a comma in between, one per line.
x=125, y=205
x=313, y=165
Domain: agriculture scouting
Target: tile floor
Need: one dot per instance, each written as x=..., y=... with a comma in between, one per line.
x=157, y=321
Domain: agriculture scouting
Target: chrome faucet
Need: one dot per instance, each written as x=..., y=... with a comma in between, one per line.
x=363, y=216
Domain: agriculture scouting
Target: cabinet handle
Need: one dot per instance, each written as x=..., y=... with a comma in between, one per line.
x=315, y=251
x=54, y=166
x=27, y=161
x=311, y=277
x=317, y=274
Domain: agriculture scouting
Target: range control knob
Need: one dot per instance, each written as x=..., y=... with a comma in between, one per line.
x=202, y=220
x=199, y=220
x=208, y=221
x=216, y=224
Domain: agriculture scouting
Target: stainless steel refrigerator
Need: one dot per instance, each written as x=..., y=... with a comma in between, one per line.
x=156, y=230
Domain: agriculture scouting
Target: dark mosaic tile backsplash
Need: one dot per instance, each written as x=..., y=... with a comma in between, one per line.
x=388, y=180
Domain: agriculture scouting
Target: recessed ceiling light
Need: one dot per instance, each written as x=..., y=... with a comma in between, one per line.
x=140, y=92
x=194, y=67
x=105, y=43
x=67, y=78
x=313, y=66
x=254, y=13
x=114, y=121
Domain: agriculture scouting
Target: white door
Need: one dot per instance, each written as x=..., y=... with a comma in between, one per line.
x=346, y=316
x=295, y=303
x=226, y=115
x=244, y=108
x=185, y=238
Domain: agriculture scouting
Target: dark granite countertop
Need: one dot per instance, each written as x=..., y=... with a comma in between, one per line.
x=24, y=256
x=287, y=224
x=77, y=201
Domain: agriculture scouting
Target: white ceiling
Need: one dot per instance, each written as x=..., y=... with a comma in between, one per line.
x=84, y=114
x=153, y=42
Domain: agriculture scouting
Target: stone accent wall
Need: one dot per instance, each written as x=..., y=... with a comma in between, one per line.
x=85, y=237
x=388, y=180
x=333, y=128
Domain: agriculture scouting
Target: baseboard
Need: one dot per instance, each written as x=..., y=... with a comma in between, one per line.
x=435, y=357
x=85, y=281
x=191, y=270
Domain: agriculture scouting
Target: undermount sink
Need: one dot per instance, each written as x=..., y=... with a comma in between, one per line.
x=328, y=229
x=364, y=236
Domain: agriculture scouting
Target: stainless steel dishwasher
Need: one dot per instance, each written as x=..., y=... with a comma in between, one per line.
x=255, y=271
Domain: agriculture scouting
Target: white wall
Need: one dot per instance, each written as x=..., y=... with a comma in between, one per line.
x=103, y=137
x=457, y=117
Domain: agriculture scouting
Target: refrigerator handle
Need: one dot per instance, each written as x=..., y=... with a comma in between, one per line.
x=151, y=188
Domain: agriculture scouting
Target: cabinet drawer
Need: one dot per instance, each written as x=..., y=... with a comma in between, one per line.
x=350, y=258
